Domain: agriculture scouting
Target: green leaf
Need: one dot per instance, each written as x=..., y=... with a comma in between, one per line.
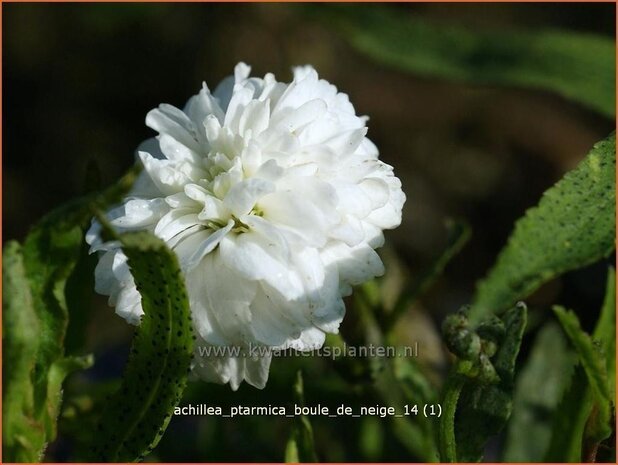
x=447, y=440
x=605, y=331
x=79, y=292
x=50, y=252
x=23, y=436
x=482, y=409
x=458, y=236
x=300, y=446
x=48, y=258
x=584, y=414
x=156, y=374
x=58, y=371
x=592, y=357
x=574, y=65
x=371, y=438
x=595, y=360
x=570, y=420
x=28, y=427
x=82, y=404
x=572, y=226
x=414, y=431
x=539, y=388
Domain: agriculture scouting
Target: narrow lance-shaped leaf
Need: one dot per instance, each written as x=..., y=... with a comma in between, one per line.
x=23, y=435
x=416, y=389
x=605, y=331
x=572, y=226
x=49, y=253
x=592, y=359
x=538, y=390
x=605, y=335
x=156, y=374
x=578, y=66
x=571, y=440
x=300, y=447
x=568, y=423
x=458, y=236
x=584, y=416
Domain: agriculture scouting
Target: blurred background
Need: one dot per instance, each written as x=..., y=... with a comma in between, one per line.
x=78, y=81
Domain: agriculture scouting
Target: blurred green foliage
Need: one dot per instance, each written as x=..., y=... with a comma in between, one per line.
x=578, y=66
x=573, y=226
x=540, y=385
x=300, y=447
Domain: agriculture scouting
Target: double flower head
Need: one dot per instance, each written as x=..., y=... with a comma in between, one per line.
x=273, y=199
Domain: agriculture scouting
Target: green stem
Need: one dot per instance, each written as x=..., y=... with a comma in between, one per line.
x=459, y=234
x=452, y=390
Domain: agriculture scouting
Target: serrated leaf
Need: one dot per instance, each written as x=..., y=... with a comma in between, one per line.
x=595, y=361
x=572, y=226
x=577, y=66
x=583, y=416
x=605, y=331
x=58, y=371
x=23, y=436
x=539, y=387
x=300, y=447
x=49, y=253
x=592, y=358
x=483, y=409
x=156, y=374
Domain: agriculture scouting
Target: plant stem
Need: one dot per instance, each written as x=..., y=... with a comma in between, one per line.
x=447, y=443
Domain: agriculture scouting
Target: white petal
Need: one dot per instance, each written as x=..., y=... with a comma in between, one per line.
x=202, y=105
x=241, y=72
x=233, y=370
x=304, y=204
x=256, y=372
x=241, y=198
x=105, y=281
x=176, y=151
x=273, y=324
x=225, y=298
x=326, y=308
x=255, y=118
x=207, y=246
x=293, y=119
x=170, y=120
x=355, y=264
x=240, y=99
x=256, y=258
x=377, y=190
x=139, y=213
x=164, y=174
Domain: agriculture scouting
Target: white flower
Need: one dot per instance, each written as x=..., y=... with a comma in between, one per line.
x=273, y=200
